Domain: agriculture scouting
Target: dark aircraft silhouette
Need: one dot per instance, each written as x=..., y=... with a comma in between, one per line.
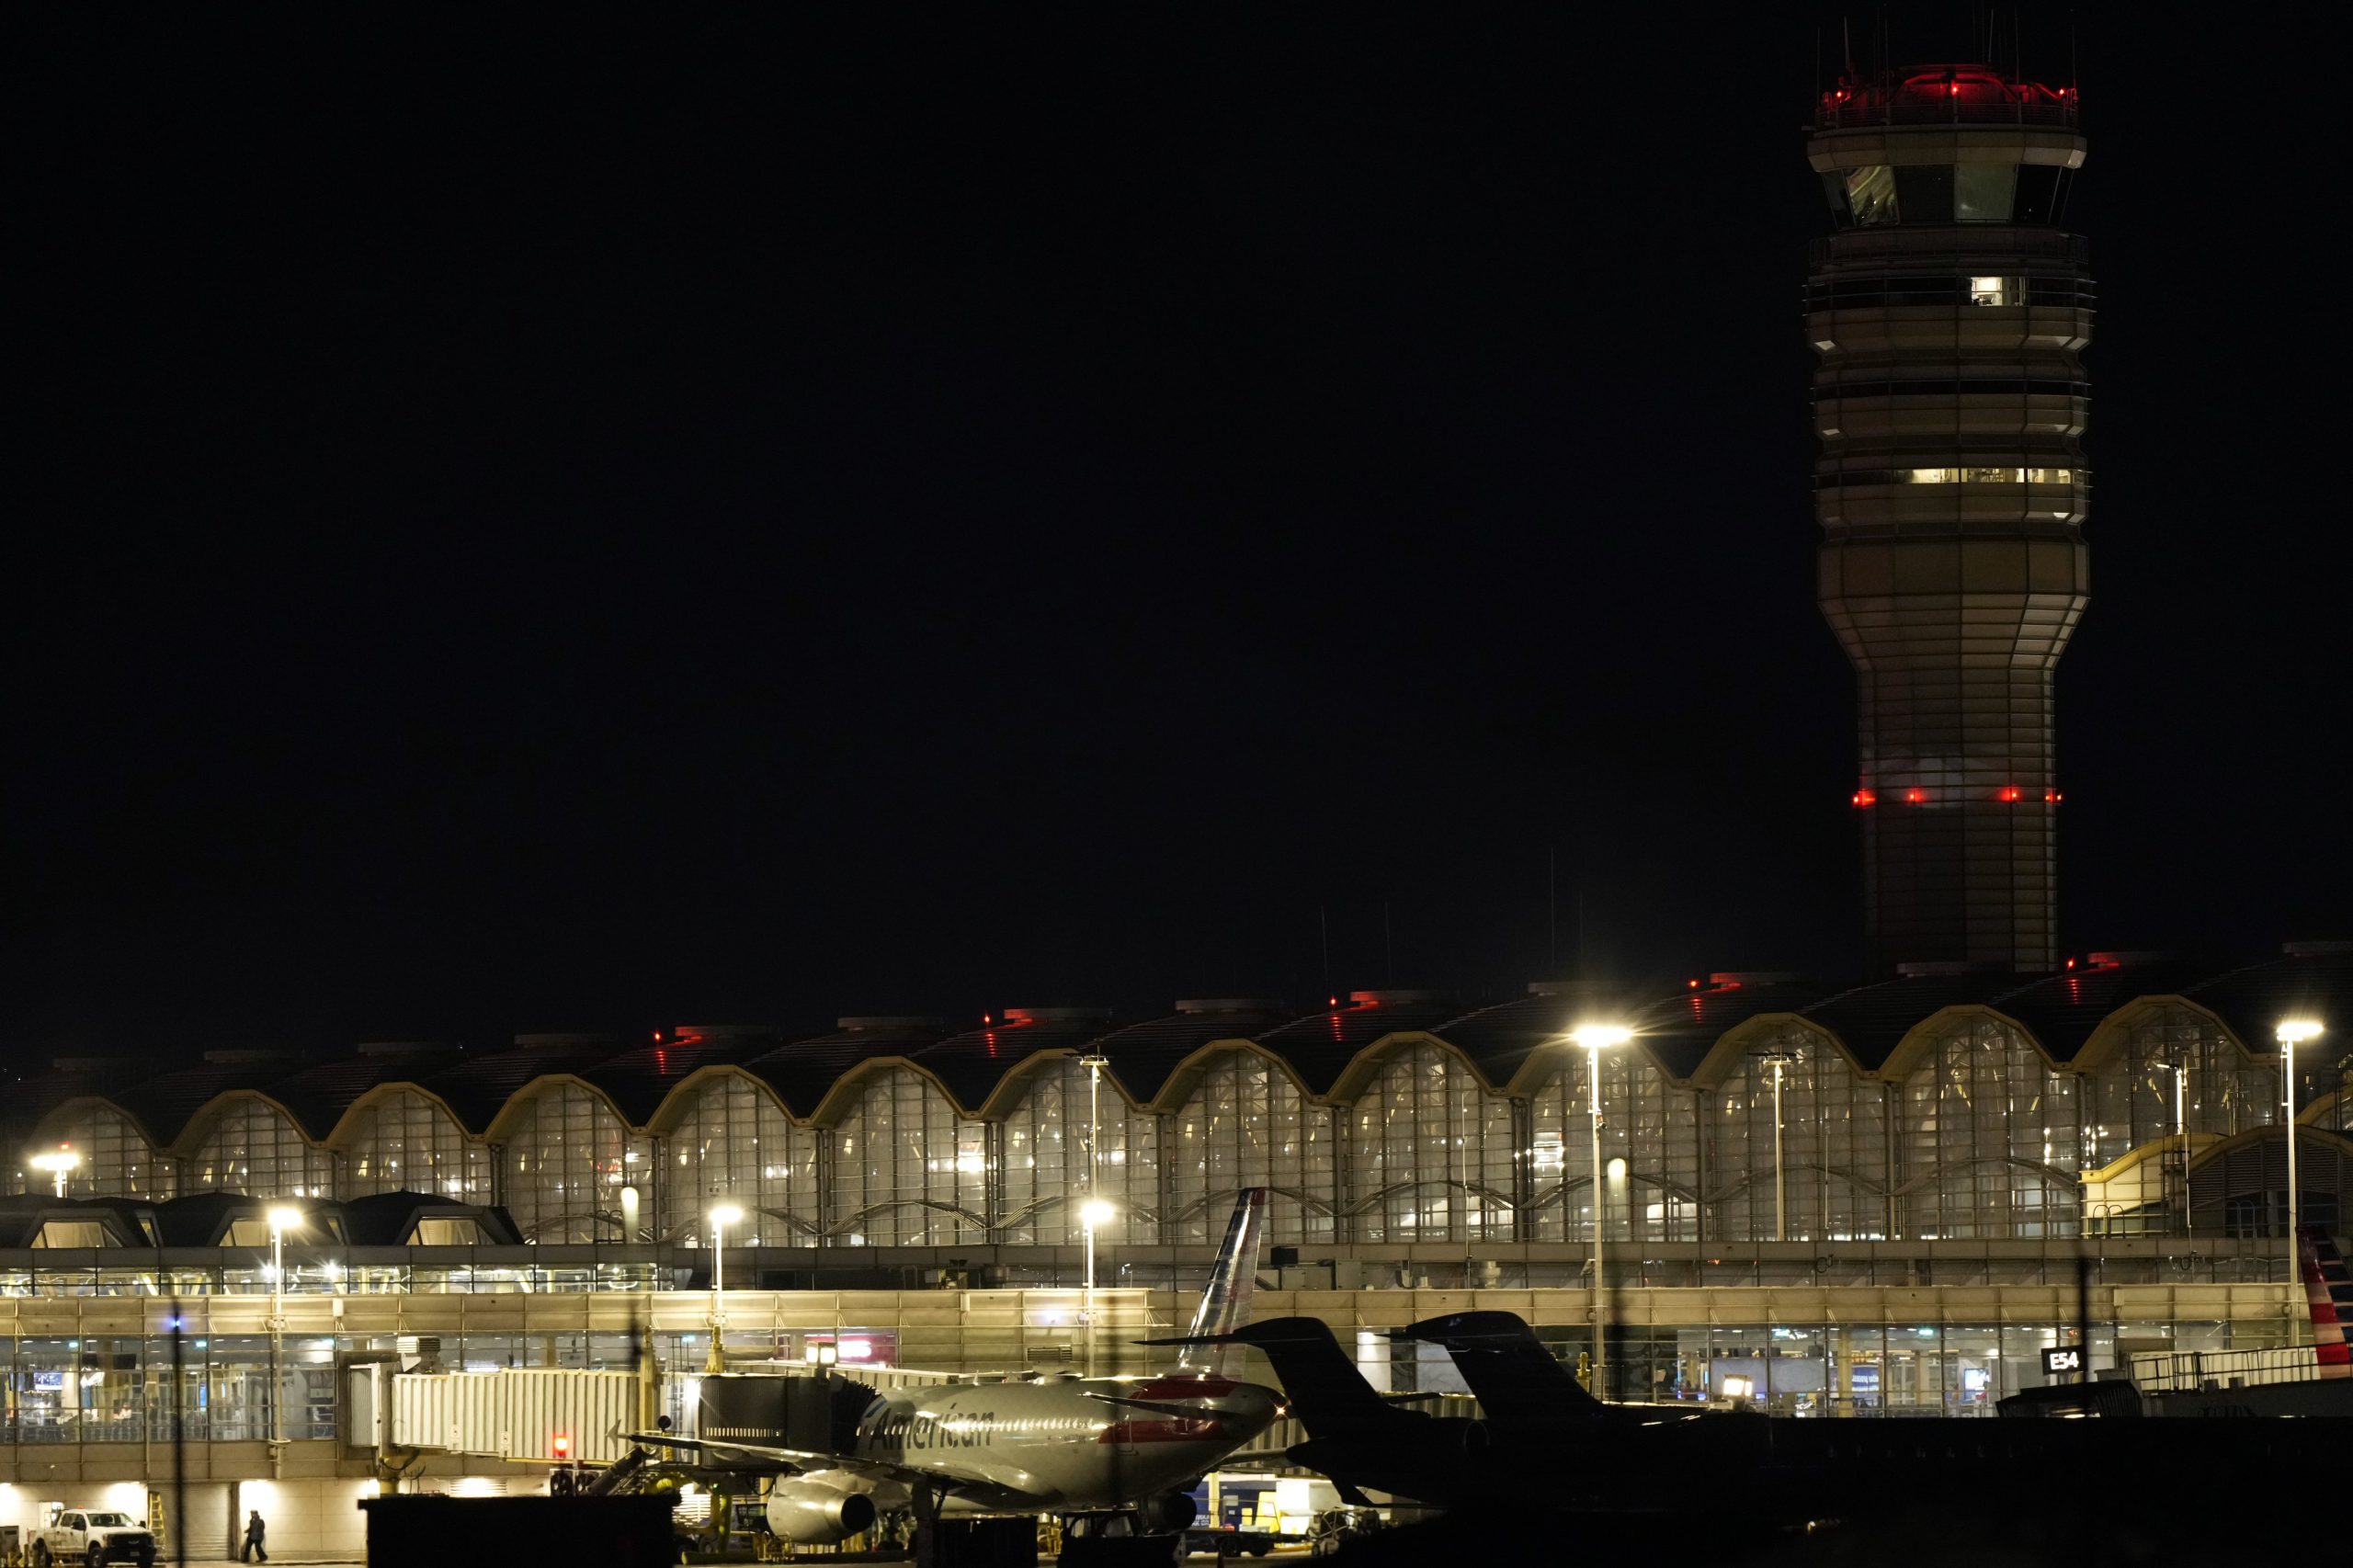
x=1543, y=1450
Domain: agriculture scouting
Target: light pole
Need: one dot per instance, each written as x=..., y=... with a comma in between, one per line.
x=1778, y=1060
x=1092, y=1209
x=60, y=1162
x=2291, y=1033
x=1597, y=1039
x=282, y=1219
x=721, y=1216
x=2180, y=1071
x=1095, y=1212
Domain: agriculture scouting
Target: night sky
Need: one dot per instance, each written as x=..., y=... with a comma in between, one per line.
x=598, y=521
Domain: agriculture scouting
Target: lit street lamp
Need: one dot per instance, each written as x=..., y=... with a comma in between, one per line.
x=721, y=1216
x=282, y=1219
x=1776, y=1062
x=2180, y=1071
x=1094, y=1213
x=1597, y=1039
x=59, y=1161
x=2291, y=1033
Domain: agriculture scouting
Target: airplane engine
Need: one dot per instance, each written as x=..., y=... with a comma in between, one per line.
x=809, y=1513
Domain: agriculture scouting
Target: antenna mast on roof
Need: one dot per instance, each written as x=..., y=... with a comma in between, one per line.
x=1324, y=928
x=1553, y=899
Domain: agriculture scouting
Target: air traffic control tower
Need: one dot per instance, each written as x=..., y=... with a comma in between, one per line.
x=1950, y=311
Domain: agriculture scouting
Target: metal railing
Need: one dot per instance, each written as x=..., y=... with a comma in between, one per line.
x=1963, y=108
x=2187, y=1371
x=1854, y=246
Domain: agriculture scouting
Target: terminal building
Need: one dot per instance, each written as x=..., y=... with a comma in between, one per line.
x=1855, y=1201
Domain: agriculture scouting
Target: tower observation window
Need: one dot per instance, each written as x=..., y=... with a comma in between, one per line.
x=1870, y=194
x=1924, y=192
x=1996, y=290
x=1984, y=193
x=1947, y=193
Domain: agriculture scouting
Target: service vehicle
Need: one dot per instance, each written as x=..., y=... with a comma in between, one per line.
x=95, y=1538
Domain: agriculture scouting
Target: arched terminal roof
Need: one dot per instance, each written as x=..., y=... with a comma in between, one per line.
x=317, y=1097
x=2312, y=979
x=638, y=1080
x=2074, y=1018
x=804, y=1070
x=1320, y=1045
x=1504, y=1038
x=165, y=1106
x=1680, y=1031
x=1143, y=1055
x=1871, y=1021
x=478, y=1090
x=2063, y=1010
x=971, y=1064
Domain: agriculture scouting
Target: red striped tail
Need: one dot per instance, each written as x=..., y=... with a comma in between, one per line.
x=2329, y=1289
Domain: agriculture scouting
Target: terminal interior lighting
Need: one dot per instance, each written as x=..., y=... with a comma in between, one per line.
x=60, y=1162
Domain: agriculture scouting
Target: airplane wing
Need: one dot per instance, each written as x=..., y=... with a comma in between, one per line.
x=802, y=1458
x=941, y=1481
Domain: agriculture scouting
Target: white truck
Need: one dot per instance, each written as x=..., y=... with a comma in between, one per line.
x=82, y=1536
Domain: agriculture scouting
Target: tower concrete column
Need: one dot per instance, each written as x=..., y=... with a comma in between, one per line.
x=1949, y=314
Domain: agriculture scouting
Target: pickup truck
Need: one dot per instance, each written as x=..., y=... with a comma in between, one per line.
x=93, y=1539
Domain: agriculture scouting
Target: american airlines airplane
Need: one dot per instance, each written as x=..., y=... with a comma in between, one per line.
x=1115, y=1455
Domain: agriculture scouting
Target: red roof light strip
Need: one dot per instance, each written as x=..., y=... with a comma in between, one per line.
x=2008, y=794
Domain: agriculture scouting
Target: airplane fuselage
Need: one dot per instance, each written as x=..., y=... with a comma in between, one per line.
x=1057, y=1444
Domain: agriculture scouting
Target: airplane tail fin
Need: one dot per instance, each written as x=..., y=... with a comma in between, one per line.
x=1234, y=1280
x=1517, y=1382
x=1321, y=1384
x=2328, y=1291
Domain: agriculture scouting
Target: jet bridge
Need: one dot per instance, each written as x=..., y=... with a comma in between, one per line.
x=559, y=1415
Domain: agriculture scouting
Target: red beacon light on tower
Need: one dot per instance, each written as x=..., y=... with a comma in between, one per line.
x=1866, y=797
x=2009, y=792
x=1914, y=797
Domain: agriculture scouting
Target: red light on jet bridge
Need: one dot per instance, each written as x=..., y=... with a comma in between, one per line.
x=563, y=1444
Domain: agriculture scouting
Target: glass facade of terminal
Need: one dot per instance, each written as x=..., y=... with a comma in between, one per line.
x=1969, y=1132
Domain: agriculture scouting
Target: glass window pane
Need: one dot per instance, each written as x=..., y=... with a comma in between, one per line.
x=1984, y=193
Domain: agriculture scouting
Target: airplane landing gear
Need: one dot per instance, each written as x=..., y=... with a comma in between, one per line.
x=1120, y=1541
x=970, y=1543
x=977, y=1543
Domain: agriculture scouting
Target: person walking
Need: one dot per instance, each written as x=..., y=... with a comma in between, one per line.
x=255, y=1530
